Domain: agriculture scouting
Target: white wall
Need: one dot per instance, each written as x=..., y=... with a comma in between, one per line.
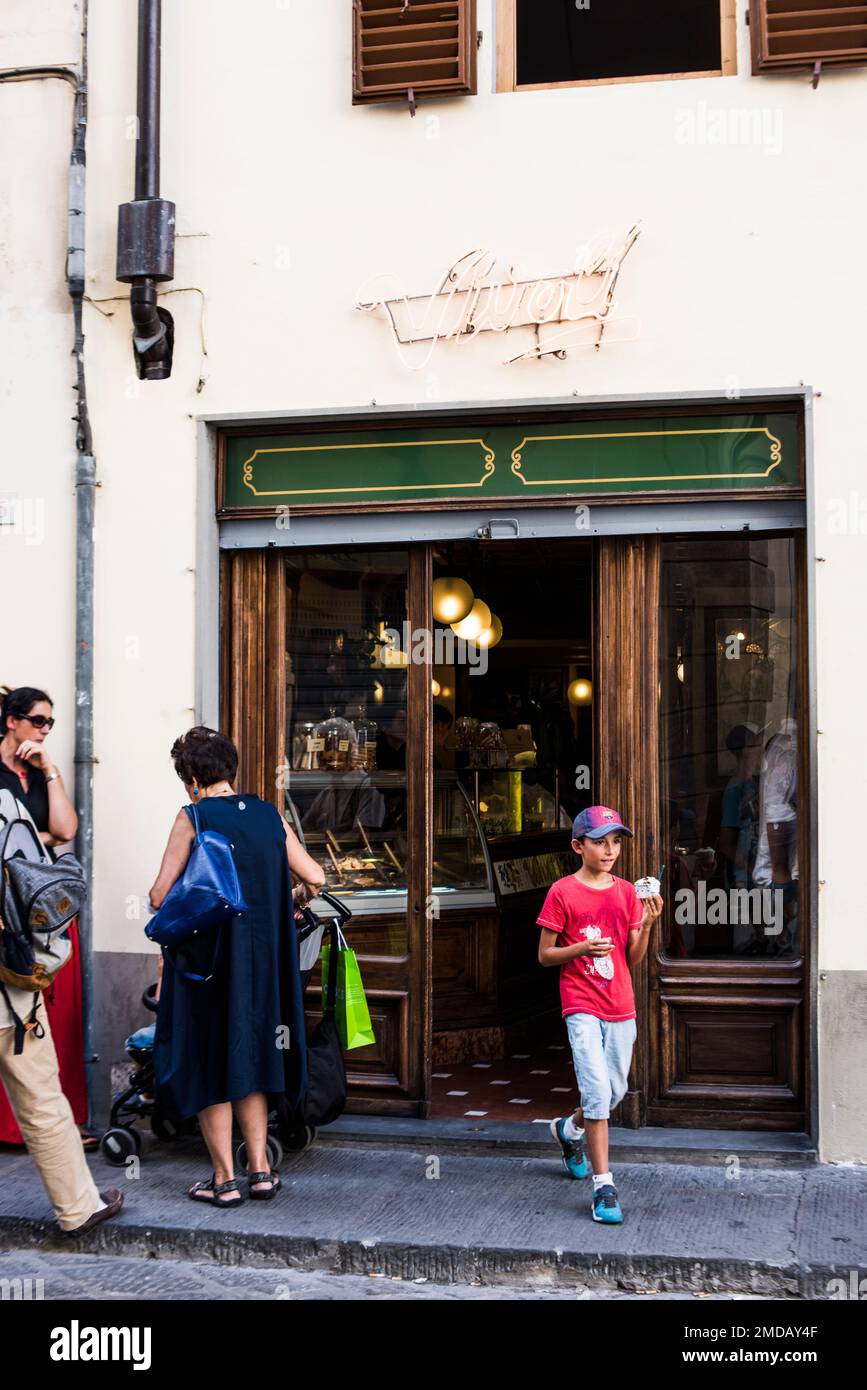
x=37, y=445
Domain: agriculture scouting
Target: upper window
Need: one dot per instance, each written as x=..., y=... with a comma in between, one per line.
x=548, y=43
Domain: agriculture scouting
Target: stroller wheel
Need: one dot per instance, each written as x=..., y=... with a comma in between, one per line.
x=301, y=1137
x=273, y=1148
x=168, y=1130
x=117, y=1145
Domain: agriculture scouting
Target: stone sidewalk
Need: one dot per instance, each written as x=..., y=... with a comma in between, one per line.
x=459, y=1218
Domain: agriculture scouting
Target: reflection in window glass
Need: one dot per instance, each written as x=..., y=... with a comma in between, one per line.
x=345, y=679
x=729, y=746
x=459, y=859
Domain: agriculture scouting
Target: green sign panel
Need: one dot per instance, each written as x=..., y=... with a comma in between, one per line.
x=489, y=462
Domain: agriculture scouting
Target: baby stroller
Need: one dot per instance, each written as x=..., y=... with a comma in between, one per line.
x=136, y=1102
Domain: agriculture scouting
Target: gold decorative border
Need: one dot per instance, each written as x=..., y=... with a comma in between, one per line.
x=517, y=462
x=247, y=467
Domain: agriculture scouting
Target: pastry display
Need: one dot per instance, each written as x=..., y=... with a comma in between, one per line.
x=466, y=732
x=306, y=748
x=363, y=751
x=338, y=738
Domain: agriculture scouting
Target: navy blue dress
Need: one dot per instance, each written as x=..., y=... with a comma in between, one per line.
x=222, y=1040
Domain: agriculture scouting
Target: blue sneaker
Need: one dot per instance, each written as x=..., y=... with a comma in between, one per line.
x=605, y=1206
x=574, y=1157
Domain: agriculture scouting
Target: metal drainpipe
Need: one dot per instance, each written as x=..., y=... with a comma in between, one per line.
x=146, y=226
x=85, y=489
x=85, y=484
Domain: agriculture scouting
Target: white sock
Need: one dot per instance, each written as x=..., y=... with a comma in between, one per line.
x=571, y=1130
x=602, y=1180
x=102, y=1206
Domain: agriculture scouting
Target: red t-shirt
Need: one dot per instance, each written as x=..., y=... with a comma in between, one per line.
x=598, y=985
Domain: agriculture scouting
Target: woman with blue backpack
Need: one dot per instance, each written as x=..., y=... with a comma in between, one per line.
x=230, y=1026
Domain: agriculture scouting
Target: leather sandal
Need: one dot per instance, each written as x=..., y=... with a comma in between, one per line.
x=211, y=1191
x=273, y=1178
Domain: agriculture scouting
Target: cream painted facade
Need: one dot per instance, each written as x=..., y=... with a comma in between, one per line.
x=749, y=274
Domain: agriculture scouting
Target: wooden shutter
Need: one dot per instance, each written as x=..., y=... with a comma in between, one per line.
x=789, y=34
x=413, y=45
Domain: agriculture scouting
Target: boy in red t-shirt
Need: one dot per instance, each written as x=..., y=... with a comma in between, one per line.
x=596, y=928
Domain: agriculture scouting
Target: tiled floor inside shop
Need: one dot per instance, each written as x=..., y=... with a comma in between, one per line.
x=533, y=1087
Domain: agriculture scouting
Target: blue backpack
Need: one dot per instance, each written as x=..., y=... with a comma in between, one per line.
x=206, y=896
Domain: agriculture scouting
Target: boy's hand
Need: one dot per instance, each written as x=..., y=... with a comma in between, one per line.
x=652, y=909
x=603, y=946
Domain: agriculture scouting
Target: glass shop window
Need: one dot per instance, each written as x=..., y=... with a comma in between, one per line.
x=346, y=690
x=730, y=746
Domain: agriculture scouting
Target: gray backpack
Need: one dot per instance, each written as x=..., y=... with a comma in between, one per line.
x=38, y=900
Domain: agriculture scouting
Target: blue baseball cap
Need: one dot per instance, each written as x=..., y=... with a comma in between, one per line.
x=597, y=821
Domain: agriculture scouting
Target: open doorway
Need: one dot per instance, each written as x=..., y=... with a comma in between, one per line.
x=513, y=741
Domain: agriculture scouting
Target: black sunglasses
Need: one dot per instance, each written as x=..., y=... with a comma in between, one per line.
x=39, y=721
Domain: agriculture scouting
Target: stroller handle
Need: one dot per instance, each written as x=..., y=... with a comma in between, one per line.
x=149, y=1000
x=340, y=908
x=306, y=921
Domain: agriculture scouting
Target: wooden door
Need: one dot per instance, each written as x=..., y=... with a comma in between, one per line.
x=258, y=609
x=700, y=671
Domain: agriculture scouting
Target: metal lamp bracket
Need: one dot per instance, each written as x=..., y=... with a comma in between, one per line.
x=500, y=528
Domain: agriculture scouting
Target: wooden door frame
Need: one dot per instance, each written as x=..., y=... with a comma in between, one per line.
x=252, y=663
x=626, y=743
x=419, y=775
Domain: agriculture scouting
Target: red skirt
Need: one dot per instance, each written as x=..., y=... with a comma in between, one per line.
x=63, y=1003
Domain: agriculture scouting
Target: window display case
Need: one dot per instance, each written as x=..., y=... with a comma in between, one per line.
x=355, y=825
x=515, y=800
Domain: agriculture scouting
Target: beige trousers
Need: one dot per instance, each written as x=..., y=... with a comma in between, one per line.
x=45, y=1118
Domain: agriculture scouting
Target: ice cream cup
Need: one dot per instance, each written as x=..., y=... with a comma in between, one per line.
x=647, y=887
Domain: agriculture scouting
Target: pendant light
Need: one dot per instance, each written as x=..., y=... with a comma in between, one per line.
x=580, y=692
x=452, y=600
x=478, y=618
x=490, y=635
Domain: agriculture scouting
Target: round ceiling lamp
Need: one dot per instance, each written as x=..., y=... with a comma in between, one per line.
x=452, y=600
x=580, y=692
x=490, y=635
x=477, y=619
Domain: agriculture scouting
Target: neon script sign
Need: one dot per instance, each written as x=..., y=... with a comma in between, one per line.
x=566, y=311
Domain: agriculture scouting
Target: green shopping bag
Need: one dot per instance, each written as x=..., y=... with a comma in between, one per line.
x=351, y=1013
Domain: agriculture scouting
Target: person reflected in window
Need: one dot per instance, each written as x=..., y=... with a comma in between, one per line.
x=739, y=829
x=777, y=855
x=391, y=743
x=442, y=727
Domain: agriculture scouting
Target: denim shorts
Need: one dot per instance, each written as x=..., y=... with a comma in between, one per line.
x=601, y=1053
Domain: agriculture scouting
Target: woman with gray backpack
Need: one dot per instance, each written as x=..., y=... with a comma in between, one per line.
x=30, y=774
x=38, y=900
